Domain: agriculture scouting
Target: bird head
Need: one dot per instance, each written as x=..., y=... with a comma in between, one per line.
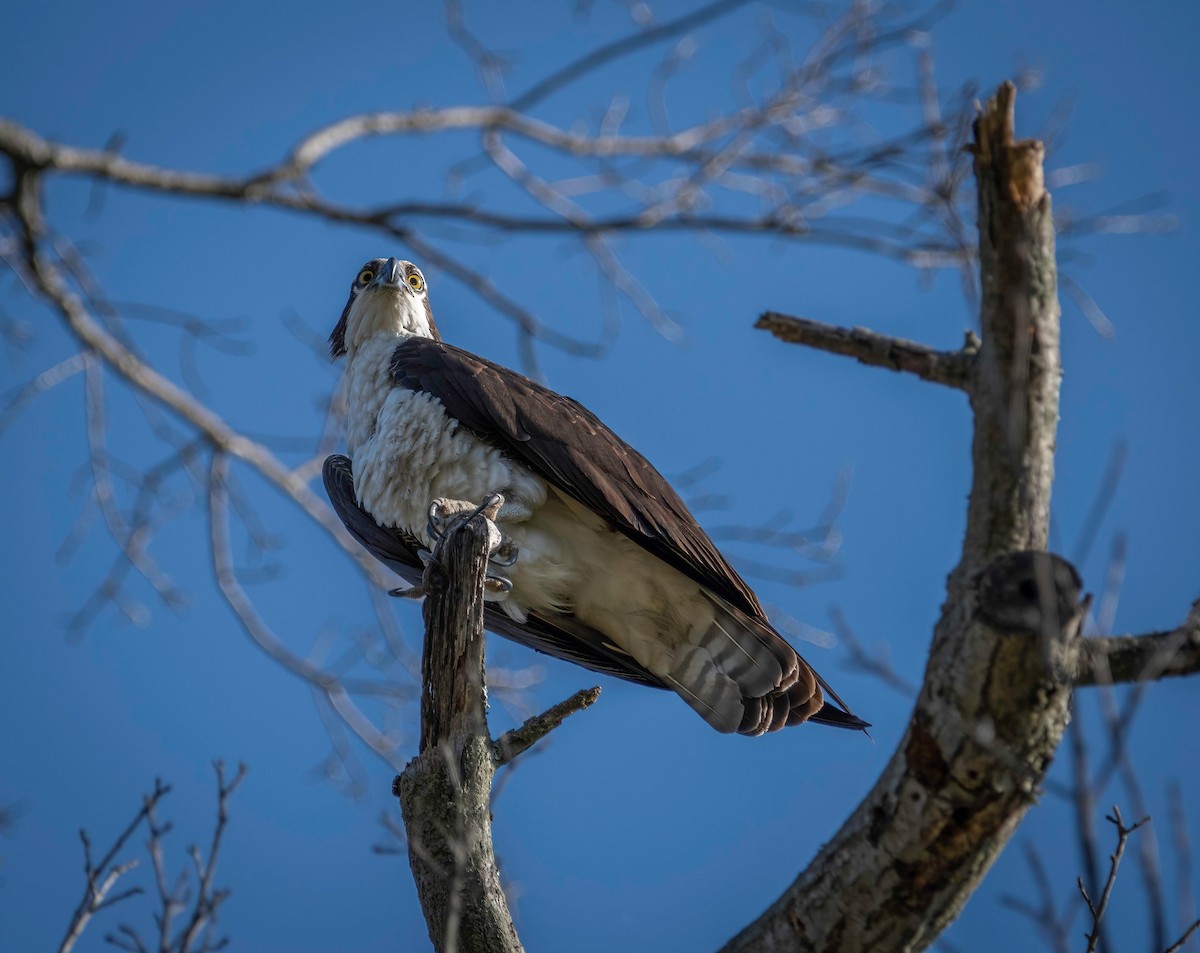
x=387, y=296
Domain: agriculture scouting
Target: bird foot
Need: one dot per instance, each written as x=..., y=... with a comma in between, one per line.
x=417, y=591
x=502, y=551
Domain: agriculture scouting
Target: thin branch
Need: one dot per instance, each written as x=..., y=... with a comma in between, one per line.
x=518, y=740
x=1185, y=887
x=1141, y=658
x=208, y=899
x=1098, y=910
x=1045, y=917
x=952, y=368
x=861, y=660
x=1105, y=493
x=45, y=381
x=1178, y=944
x=254, y=625
x=53, y=286
x=622, y=47
x=102, y=877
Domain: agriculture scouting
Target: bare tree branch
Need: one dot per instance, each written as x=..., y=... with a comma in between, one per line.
x=952, y=368
x=102, y=877
x=1045, y=917
x=1185, y=886
x=876, y=664
x=45, y=381
x=518, y=740
x=1141, y=658
x=1084, y=802
x=593, y=60
x=208, y=898
x=1098, y=910
x=198, y=936
x=329, y=684
x=53, y=286
x=1187, y=935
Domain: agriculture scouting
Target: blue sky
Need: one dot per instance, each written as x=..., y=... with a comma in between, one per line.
x=638, y=827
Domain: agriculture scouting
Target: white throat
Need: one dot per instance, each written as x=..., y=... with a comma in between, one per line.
x=386, y=312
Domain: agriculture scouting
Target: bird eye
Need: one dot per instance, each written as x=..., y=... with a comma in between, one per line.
x=365, y=277
x=416, y=282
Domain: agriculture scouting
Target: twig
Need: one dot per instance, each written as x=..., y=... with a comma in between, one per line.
x=45, y=381
x=254, y=625
x=1098, y=911
x=1187, y=934
x=518, y=740
x=1044, y=917
x=862, y=661
x=1105, y=493
x=208, y=899
x=1185, y=888
x=1147, y=849
x=622, y=47
x=102, y=877
x=1084, y=802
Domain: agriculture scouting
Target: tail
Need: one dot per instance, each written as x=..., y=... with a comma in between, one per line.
x=741, y=676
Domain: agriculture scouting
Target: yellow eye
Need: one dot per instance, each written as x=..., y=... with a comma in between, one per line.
x=365, y=277
x=416, y=282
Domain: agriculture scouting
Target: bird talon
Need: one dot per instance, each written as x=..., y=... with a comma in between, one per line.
x=497, y=585
x=490, y=507
x=433, y=520
x=506, y=553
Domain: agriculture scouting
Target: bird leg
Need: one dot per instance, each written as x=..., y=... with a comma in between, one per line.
x=502, y=551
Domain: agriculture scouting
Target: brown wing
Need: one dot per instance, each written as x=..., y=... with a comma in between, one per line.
x=566, y=445
x=562, y=636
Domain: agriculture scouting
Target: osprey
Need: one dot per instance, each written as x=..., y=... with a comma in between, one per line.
x=602, y=564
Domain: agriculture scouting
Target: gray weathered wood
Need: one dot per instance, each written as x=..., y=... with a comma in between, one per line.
x=445, y=792
x=991, y=710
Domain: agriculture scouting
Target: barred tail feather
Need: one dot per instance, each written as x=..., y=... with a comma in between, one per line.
x=741, y=676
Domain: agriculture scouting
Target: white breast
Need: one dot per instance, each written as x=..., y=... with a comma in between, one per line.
x=407, y=452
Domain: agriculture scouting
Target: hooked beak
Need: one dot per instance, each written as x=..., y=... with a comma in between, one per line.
x=390, y=275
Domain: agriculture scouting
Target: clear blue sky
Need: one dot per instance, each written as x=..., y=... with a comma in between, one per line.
x=638, y=828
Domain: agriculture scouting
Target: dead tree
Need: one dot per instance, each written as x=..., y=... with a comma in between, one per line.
x=1006, y=654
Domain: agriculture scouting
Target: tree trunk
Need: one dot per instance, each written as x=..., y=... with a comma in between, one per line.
x=993, y=705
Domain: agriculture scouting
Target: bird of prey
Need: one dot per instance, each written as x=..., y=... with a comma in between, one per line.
x=602, y=564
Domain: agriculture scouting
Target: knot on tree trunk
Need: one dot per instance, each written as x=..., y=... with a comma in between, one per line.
x=1035, y=594
x=1026, y=591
